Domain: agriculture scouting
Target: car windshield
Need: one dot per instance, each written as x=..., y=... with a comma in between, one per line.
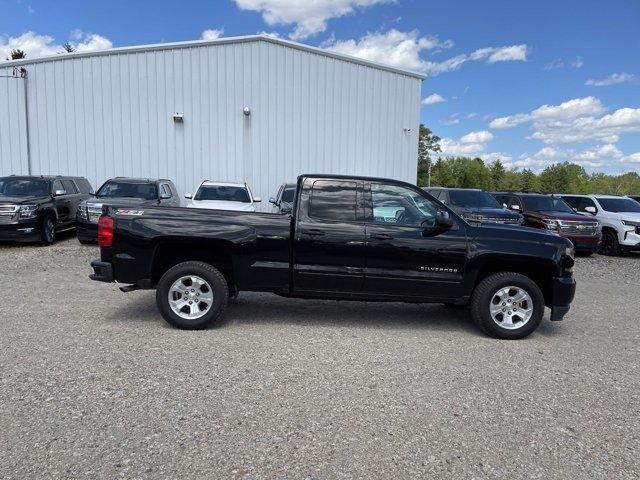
x=16, y=187
x=542, y=203
x=473, y=199
x=113, y=189
x=617, y=205
x=288, y=194
x=223, y=193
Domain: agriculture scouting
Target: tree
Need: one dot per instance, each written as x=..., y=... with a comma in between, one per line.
x=17, y=54
x=68, y=48
x=528, y=181
x=497, y=171
x=428, y=143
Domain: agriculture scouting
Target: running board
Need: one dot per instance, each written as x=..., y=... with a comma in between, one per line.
x=129, y=288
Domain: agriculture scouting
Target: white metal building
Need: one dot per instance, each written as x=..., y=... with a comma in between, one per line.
x=254, y=109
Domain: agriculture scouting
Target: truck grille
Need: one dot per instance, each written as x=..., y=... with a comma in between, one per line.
x=579, y=228
x=8, y=213
x=94, y=212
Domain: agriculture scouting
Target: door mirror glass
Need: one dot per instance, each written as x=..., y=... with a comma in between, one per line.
x=165, y=195
x=59, y=192
x=273, y=201
x=591, y=210
x=515, y=207
x=188, y=196
x=257, y=199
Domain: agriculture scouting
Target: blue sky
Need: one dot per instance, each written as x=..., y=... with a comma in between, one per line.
x=532, y=83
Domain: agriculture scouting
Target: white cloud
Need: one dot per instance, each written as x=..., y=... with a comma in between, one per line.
x=308, y=16
x=433, y=99
x=633, y=158
x=595, y=157
x=35, y=45
x=612, y=79
x=452, y=119
x=488, y=55
x=394, y=48
x=558, y=63
x=578, y=62
x=212, y=34
x=471, y=144
x=477, y=137
x=577, y=120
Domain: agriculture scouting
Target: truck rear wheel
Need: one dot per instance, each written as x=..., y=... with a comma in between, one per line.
x=192, y=295
x=507, y=305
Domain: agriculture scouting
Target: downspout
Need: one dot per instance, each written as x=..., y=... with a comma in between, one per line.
x=23, y=74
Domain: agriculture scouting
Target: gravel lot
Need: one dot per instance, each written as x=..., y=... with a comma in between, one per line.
x=94, y=384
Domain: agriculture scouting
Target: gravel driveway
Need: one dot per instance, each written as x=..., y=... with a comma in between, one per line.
x=94, y=384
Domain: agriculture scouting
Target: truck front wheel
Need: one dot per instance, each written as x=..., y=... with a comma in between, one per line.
x=192, y=295
x=507, y=305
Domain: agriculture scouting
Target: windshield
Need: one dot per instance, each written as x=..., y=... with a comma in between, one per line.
x=15, y=187
x=111, y=189
x=288, y=194
x=473, y=199
x=223, y=193
x=619, y=205
x=542, y=203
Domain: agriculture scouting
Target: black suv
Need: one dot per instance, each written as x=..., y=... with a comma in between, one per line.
x=123, y=192
x=35, y=208
x=475, y=205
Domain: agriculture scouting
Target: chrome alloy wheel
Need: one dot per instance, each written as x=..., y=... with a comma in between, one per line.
x=511, y=307
x=190, y=297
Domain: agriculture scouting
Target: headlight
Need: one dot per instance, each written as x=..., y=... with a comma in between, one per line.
x=552, y=224
x=570, y=252
x=82, y=211
x=28, y=211
x=631, y=223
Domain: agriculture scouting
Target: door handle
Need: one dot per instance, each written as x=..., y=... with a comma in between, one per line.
x=381, y=236
x=314, y=231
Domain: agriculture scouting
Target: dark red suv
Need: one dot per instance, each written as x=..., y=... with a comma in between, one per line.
x=554, y=214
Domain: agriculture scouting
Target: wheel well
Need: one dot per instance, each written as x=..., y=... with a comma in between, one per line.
x=216, y=254
x=610, y=229
x=541, y=274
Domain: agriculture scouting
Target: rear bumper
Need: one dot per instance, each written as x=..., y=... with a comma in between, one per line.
x=562, y=293
x=102, y=272
x=25, y=231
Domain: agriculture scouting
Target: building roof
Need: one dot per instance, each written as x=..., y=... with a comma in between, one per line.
x=219, y=41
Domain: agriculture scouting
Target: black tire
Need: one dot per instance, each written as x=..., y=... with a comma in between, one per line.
x=483, y=296
x=610, y=245
x=48, y=230
x=214, y=279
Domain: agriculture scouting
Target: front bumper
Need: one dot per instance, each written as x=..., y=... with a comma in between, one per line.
x=102, y=272
x=86, y=231
x=630, y=238
x=562, y=292
x=23, y=231
x=585, y=243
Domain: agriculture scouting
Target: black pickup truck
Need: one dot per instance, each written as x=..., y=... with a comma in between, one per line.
x=352, y=238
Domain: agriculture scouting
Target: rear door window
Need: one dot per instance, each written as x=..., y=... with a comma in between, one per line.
x=333, y=200
x=70, y=187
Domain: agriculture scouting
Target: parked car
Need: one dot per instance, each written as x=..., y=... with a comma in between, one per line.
x=553, y=214
x=123, y=192
x=635, y=197
x=283, y=201
x=36, y=208
x=619, y=217
x=223, y=196
x=354, y=238
x=475, y=205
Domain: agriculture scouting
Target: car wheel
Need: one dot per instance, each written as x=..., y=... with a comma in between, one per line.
x=48, y=233
x=610, y=244
x=192, y=295
x=507, y=305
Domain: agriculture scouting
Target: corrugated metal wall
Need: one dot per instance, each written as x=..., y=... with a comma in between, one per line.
x=107, y=115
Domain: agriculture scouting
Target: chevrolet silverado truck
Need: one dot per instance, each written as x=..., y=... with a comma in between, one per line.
x=351, y=238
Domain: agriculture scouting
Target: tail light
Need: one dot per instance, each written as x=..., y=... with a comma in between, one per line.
x=105, y=231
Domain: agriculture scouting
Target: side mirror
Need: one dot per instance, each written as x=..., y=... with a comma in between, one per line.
x=91, y=192
x=591, y=210
x=257, y=199
x=443, y=220
x=57, y=193
x=273, y=201
x=165, y=196
x=188, y=196
x=515, y=207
